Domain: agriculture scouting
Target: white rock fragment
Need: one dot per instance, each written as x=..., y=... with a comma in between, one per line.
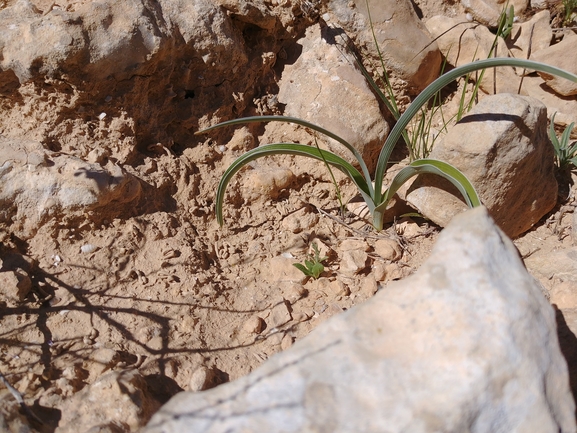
x=436, y=352
x=88, y=248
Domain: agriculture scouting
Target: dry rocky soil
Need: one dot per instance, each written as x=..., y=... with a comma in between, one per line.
x=153, y=283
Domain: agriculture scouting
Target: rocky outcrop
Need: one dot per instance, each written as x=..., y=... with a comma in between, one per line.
x=37, y=185
x=467, y=343
x=503, y=148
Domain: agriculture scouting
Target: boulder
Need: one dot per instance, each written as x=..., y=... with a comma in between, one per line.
x=468, y=343
x=37, y=184
x=503, y=148
x=326, y=88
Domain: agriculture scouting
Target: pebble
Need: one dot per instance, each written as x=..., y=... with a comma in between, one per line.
x=254, y=325
x=388, y=249
x=279, y=315
x=286, y=342
x=352, y=262
x=201, y=379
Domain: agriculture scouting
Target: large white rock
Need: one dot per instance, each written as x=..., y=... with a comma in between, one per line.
x=503, y=148
x=467, y=344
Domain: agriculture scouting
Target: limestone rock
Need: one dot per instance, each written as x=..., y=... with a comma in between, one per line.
x=388, y=249
x=303, y=219
x=503, y=148
x=468, y=343
x=278, y=315
x=80, y=40
x=535, y=33
x=324, y=87
x=565, y=108
x=487, y=12
x=353, y=262
x=119, y=397
x=37, y=185
x=462, y=42
x=563, y=56
x=267, y=182
x=561, y=264
x=408, y=50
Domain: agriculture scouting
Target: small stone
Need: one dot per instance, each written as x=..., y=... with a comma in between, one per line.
x=201, y=379
x=279, y=315
x=294, y=292
x=388, y=249
x=119, y=397
x=353, y=244
x=369, y=286
x=254, y=325
x=379, y=271
x=353, y=262
x=332, y=289
x=563, y=56
x=408, y=228
x=286, y=342
x=268, y=182
x=300, y=317
x=393, y=272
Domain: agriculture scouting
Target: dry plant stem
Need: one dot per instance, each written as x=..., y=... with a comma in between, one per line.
x=18, y=397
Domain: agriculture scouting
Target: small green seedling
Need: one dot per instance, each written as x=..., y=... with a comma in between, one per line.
x=313, y=266
x=565, y=153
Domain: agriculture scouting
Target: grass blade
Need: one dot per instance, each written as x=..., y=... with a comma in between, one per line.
x=438, y=84
x=261, y=119
x=430, y=166
x=291, y=149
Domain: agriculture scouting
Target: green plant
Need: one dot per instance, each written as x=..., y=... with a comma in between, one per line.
x=565, y=153
x=313, y=266
x=569, y=6
x=375, y=197
x=419, y=138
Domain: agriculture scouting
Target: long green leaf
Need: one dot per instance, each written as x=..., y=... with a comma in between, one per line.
x=437, y=85
x=431, y=166
x=261, y=119
x=291, y=149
